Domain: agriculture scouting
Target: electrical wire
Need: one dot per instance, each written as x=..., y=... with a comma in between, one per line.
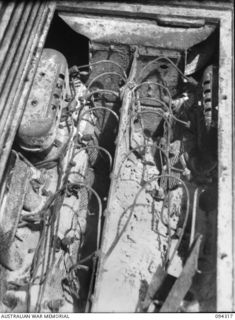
x=61, y=175
x=168, y=127
x=83, y=260
x=98, y=237
x=47, y=258
x=133, y=150
x=81, y=184
x=59, y=157
x=52, y=229
x=158, y=85
x=104, y=61
x=104, y=150
x=154, y=100
x=99, y=148
x=156, y=112
x=171, y=115
x=48, y=227
x=94, y=264
x=97, y=108
x=169, y=172
x=110, y=159
x=159, y=112
x=81, y=235
x=118, y=237
x=162, y=58
x=102, y=91
x=104, y=74
x=187, y=124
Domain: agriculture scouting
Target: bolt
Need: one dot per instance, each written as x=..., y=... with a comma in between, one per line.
x=34, y=103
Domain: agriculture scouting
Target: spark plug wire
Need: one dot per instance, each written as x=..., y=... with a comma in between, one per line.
x=104, y=61
x=99, y=148
x=105, y=74
x=166, y=59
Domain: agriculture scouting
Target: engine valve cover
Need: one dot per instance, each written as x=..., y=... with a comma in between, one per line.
x=42, y=114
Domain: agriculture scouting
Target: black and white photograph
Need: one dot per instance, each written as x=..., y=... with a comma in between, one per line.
x=117, y=158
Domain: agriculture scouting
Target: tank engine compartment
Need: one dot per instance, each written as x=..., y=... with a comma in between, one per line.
x=109, y=200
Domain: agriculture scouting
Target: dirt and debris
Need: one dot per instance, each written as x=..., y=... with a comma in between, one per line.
x=107, y=207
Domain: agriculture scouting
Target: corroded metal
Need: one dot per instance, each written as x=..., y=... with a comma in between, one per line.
x=41, y=117
x=12, y=199
x=22, y=71
x=153, y=26
x=136, y=32
x=184, y=281
x=210, y=96
x=13, y=45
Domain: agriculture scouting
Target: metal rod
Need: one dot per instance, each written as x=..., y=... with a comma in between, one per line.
x=37, y=39
x=15, y=76
x=11, y=32
x=7, y=12
x=194, y=215
x=14, y=64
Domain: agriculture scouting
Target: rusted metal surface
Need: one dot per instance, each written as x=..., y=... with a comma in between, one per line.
x=148, y=9
x=184, y=281
x=21, y=73
x=6, y=11
x=156, y=282
x=123, y=143
x=225, y=226
x=136, y=32
x=15, y=32
x=13, y=45
x=154, y=18
x=131, y=251
x=225, y=124
x=210, y=97
x=12, y=200
x=42, y=113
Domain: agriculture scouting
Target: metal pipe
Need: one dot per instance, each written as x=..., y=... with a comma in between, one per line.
x=194, y=215
x=12, y=28
x=7, y=11
x=13, y=66
x=37, y=39
x=10, y=47
x=15, y=75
